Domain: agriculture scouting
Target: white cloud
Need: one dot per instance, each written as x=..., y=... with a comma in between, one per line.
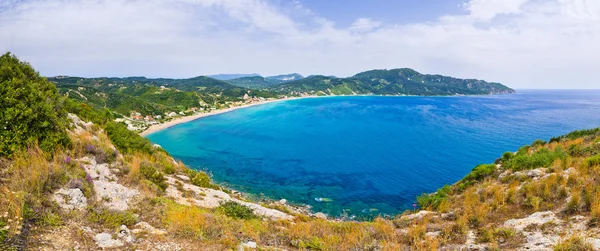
x=488, y=9
x=365, y=24
x=524, y=44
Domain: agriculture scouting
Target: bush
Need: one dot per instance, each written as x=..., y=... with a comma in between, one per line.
x=480, y=172
x=31, y=110
x=51, y=220
x=152, y=174
x=507, y=156
x=3, y=231
x=201, y=179
x=538, y=142
x=236, y=210
x=541, y=158
x=576, y=134
x=125, y=140
x=434, y=200
x=593, y=161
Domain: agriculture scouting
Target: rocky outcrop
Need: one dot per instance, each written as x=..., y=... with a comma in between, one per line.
x=145, y=227
x=113, y=195
x=70, y=199
x=106, y=240
x=211, y=198
x=539, y=218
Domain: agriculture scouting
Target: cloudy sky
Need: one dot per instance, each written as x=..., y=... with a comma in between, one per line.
x=521, y=43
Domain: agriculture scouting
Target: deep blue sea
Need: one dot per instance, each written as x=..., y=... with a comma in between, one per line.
x=370, y=155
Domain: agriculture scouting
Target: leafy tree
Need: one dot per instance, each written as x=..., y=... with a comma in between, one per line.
x=31, y=110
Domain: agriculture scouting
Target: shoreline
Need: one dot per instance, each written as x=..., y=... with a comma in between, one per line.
x=159, y=127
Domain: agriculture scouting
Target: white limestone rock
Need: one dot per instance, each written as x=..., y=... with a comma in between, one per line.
x=538, y=218
x=105, y=240
x=114, y=195
x=70, y=199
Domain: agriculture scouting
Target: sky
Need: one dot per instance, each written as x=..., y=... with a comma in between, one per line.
x=544, y=44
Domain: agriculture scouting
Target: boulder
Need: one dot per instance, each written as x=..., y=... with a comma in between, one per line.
x=125, y=234
x=247, y=245
x=114, y=195
x=70, y=199
x=538, y=218
x=146, y=227
x=105, y=240
x=321, y=215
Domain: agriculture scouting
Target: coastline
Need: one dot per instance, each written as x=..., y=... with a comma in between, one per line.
x=159, y=127
x=185, y=119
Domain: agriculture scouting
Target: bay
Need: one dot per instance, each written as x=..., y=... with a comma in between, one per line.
x=369, y=155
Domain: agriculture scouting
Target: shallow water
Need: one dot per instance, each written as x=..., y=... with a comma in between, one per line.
x=370, y=155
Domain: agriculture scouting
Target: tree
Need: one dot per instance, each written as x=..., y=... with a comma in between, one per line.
x=31, y=110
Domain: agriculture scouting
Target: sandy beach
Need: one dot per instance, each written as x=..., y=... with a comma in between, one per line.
x=180, y=120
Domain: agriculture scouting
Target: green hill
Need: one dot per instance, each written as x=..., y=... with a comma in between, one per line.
x=392, y=82
x=151, y=96
x=256, y=82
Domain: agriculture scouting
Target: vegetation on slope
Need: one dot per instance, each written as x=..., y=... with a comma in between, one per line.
x=561, y=177
x=392, y=82
x=152, y=96
x=256, y=82
x=31, y=110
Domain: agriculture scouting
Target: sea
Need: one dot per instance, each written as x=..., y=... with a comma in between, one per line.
x=363, y=156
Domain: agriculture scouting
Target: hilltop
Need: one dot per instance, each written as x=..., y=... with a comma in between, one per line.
x=73, y=178
x=392, y=82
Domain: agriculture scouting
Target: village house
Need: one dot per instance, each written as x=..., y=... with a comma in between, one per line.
x=135, y=115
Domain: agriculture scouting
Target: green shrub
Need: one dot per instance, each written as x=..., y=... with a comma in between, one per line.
x=313, y=243
x=201, y=179
x=541, y=158
x=538, y=142
x=125, y=140
x=51, y=220
x=31, y=110
x=3, y=232
x=434, y=200
x=507, y=156
x=112, y=219
x=236, y=210
x=152, y=174
x=593, y=161
x=480, y=172
x=169, y=169
x=576, y=134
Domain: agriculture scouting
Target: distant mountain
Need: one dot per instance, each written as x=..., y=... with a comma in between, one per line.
x=232, y=76
x=286, y=77
x=258, y=82
x=391, y=82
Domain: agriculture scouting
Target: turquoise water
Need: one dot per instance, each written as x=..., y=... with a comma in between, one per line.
x=370, y=155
